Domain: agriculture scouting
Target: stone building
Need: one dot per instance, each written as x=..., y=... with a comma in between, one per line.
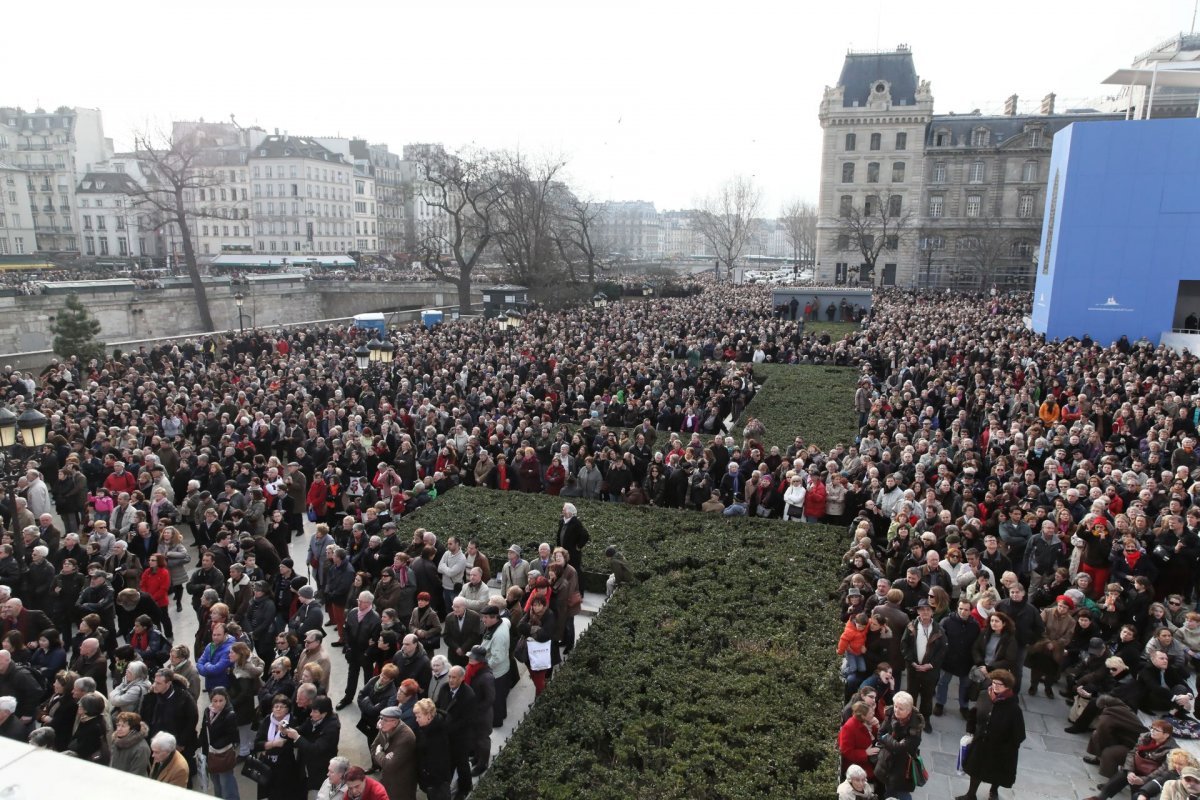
x=302, y=197
x=54, y=149
x=17, y=234
x=941, y=199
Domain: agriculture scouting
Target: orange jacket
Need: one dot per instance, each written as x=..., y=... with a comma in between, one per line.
x=853, y=640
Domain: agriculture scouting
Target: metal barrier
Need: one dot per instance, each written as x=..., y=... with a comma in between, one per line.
x=39, y=359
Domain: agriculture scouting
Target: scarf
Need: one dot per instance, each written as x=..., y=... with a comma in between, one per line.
x=139, y=641
x=273, y=730
x=472, y=669
x=1131, y=559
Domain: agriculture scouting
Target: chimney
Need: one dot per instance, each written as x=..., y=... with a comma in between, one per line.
x=1010, y=106
x=1047, y=104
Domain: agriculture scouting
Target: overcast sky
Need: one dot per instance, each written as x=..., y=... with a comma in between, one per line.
x=646, y=100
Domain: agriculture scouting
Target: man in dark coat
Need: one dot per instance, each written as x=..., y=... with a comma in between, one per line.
x=457, y=701
x=961, y=632
x=483, y=682
x=131, y=604
x=924, y=646
x=999, y=729
x=259, y=620
x=363, y=625
x=572, y=536
x=316, y=741
x=461, y=631
x=413, y=662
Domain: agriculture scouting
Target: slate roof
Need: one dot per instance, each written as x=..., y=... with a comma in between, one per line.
x=107, y=183
x=861, y=70
x=1003, y=127
x=294, y=146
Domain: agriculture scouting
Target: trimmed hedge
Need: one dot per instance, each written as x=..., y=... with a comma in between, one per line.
x=713, y=678
x=808, y=400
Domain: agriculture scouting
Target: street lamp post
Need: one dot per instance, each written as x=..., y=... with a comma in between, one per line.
x=239, y=299
x=31, y=425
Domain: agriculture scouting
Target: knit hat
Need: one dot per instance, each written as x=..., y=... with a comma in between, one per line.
x=1068, y=602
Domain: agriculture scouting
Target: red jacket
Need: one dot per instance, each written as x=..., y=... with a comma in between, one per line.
x=125, y=482
x=814, y=499
x=853, y=740
x=157, y=584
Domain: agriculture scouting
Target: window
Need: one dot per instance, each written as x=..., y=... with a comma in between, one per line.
x=87, y=222
x=1035, y=138
x=89, y=245
x=977, y=172
x=1022, y=248
x=932, y=243
x=1025, y=206
x=868, y=241
x=871, y=206
x=204, y=230
x=846, y=206
x=1029, y=171
x=939, y=172
x=935, y=205
x=892, y=242
x=894, y=205
x=123, y=247
x=974, y=204
x=873, y=172
x=100, y=223
x=843, y=242
x=979, y=137
x=3, y=246
x=103, y=245
x=847, y=173
x=876, y=141
x=901, y=141
x=966, y=243
x=943, y=139
x=19, y=245
x=898, y=172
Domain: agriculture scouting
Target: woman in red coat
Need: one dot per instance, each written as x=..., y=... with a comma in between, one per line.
x=856, y=739
x=556, y=476
x=156, y=582
x=360, y=787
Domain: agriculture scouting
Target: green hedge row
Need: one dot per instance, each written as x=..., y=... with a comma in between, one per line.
x=815, y=402
x=713, y=678
x=651, y=539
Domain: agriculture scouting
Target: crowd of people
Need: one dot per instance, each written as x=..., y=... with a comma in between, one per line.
x=1011, y=504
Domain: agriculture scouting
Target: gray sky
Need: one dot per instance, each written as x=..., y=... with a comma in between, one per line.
x=646, y=100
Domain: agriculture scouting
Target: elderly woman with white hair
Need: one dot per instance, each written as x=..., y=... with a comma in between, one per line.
x=856, y=786
x=128, y=694
x=899, y=740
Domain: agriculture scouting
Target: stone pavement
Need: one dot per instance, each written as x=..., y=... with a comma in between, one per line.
x=1050, y=767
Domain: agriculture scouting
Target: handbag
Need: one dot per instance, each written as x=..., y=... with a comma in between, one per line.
x=222, y=760
x=917, y=771
x=539, y=655
x=1143, y=766
x=256, y=770
x=574, y=602
x=312, y=514
x=521, y=651
x=1077, y=708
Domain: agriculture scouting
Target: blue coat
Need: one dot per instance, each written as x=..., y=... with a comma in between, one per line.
x=214, y=665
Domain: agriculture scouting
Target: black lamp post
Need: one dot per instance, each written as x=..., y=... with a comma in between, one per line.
x=32, y=427
x=363, y=356
x=240, y=298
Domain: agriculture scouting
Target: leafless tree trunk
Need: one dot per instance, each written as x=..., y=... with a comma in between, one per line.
x=800, y=226
x=577, y=229
x=463, y=189
x=872, y=229
x=530, y=208
x=981, y=247
x=171, y=162
x=726, y=219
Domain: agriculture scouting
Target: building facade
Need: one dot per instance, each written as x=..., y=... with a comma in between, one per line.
x=366, y=240
x=630, y=229
x=955, y=199
x=17, y=234
x=301, y=197
x=873, y=123
x=54, y=149
x=386, y=169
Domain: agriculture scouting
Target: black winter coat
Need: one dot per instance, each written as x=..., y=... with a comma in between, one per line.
x=999, y=731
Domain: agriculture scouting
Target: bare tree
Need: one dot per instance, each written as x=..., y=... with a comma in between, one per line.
x=463, y=190
x=800, y=226
x=875, y=227
x=981, y=248
x=577, y=223
x=726, y=219
x=174, y=180
x=531, y=205
x=930, y=242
